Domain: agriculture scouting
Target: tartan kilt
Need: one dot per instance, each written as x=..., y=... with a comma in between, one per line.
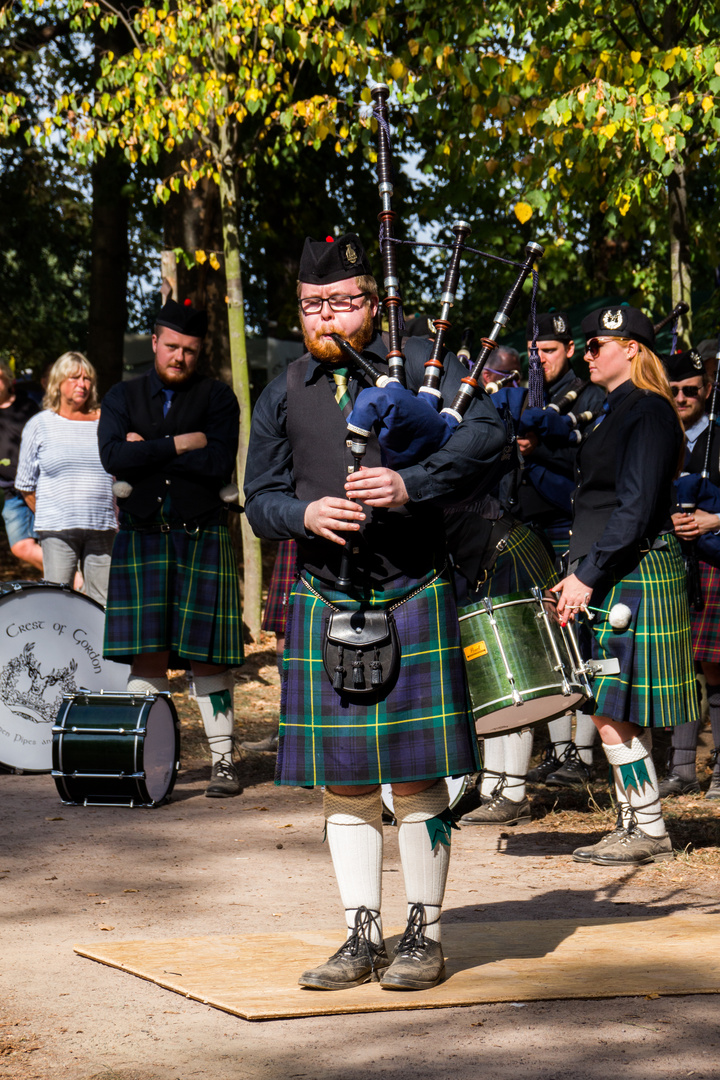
x=705, y=624
x=656, y=684
x=420, y=729
x=524, y=564
x=177, y=592
x=281, y=583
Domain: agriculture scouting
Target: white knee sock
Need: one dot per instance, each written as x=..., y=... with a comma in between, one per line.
x=148, y=684
x=354, y=833
x=214, y=695
x=636, y=778
x=518, y=751
x=493, y=764
x=560, y=732
x=585, y=732
x=424, y=867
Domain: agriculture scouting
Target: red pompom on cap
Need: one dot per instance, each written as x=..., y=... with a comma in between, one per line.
x=187, y=302
x=329, y=239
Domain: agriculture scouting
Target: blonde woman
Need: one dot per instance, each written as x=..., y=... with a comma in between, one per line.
x=623, y=555
x=60, y=477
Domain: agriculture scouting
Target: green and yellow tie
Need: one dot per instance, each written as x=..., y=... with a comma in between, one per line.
x=340, y=377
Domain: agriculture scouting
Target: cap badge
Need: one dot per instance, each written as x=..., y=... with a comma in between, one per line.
x=351, y=254
x=559, y=324
x=612, y=320
x=696, y=360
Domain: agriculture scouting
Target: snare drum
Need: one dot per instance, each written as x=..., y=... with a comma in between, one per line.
x=51, y=641
x=523, y=667
x=116, y=749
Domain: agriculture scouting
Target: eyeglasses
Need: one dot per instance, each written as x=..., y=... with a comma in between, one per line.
x=313, y=305
x=594, y=346
x=686, y=391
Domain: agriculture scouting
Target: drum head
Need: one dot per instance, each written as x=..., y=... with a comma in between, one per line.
x=160, y=750
x=51, y=641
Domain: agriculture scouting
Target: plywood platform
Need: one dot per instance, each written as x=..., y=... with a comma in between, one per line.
x=255, y=976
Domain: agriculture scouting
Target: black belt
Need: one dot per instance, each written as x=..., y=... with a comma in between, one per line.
x=191, y=527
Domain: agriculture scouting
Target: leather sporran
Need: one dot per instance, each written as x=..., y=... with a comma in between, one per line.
x=361, y=652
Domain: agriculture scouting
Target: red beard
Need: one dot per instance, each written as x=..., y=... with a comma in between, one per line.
x=326, y=350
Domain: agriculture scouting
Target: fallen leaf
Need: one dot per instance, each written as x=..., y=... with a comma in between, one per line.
x=131, y=890
x=277, y=914
x=284, y=826
x=651, y=997
x=102, y=901
x=54, y=818
x=107, y=928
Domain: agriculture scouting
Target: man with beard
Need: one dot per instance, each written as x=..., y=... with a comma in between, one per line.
x=170, y=437
x=410, y=725
x=691, y=388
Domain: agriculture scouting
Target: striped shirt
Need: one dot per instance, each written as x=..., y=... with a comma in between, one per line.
x=60, y=462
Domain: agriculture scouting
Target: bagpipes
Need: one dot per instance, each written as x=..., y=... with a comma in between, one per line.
x=411, y=426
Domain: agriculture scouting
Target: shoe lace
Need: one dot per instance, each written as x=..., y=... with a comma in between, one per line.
x=550, y=758
x=365, y=919
x=224, y=768
x=414, y=939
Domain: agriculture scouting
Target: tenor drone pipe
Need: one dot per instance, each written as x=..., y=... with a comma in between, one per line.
x=498, y=384
x=393, y=300
x=434, y=365
x=469, y=385
x=680, y=308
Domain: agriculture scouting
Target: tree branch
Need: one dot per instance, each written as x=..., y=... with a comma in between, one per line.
x=644, y=26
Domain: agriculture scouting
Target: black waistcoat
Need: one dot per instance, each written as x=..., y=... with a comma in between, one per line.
x=390, y=542
x=595, y=497
x=190, y=497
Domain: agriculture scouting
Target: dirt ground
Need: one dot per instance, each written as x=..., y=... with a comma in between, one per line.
x=256, y=864
x=71, y=874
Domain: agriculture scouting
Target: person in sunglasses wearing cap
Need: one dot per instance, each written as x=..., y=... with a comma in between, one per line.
x=691, y=388
x=170, y=438
x=413, y=730
x=628, y=576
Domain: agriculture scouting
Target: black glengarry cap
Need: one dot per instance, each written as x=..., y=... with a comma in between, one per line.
x=619, y=322
x=324, y=261
x=552, y=326
x=183, y=318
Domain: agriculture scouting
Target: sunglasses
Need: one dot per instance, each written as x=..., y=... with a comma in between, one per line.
x=594, y=346
x=686, y=391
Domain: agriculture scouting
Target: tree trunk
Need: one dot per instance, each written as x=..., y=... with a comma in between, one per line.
x=252, y=558
x=107, y=319
x=680, y=248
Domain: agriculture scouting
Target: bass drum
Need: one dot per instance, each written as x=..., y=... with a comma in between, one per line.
x=523, y=667
x=51, y=641
x=457, y=786
x=116, y=749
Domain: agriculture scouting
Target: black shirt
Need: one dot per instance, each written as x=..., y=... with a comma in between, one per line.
x=625, y=497
x=13, y=419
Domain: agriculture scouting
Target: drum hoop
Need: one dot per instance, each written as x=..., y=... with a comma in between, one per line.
x=16, y=588
x=480, y=610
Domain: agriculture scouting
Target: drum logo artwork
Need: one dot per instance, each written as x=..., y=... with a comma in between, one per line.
x=28, y=693
x=50, y=645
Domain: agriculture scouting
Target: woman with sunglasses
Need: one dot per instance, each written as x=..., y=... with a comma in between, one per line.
x=623, y=552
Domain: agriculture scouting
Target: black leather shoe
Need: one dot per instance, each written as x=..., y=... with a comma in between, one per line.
x=357, y=961
x=635, y=848
x=268, y=745
x=550, y=763
x=572, y=773
x=499, y=811
x=675, y=785
x=224, y=781
x=419, y=963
